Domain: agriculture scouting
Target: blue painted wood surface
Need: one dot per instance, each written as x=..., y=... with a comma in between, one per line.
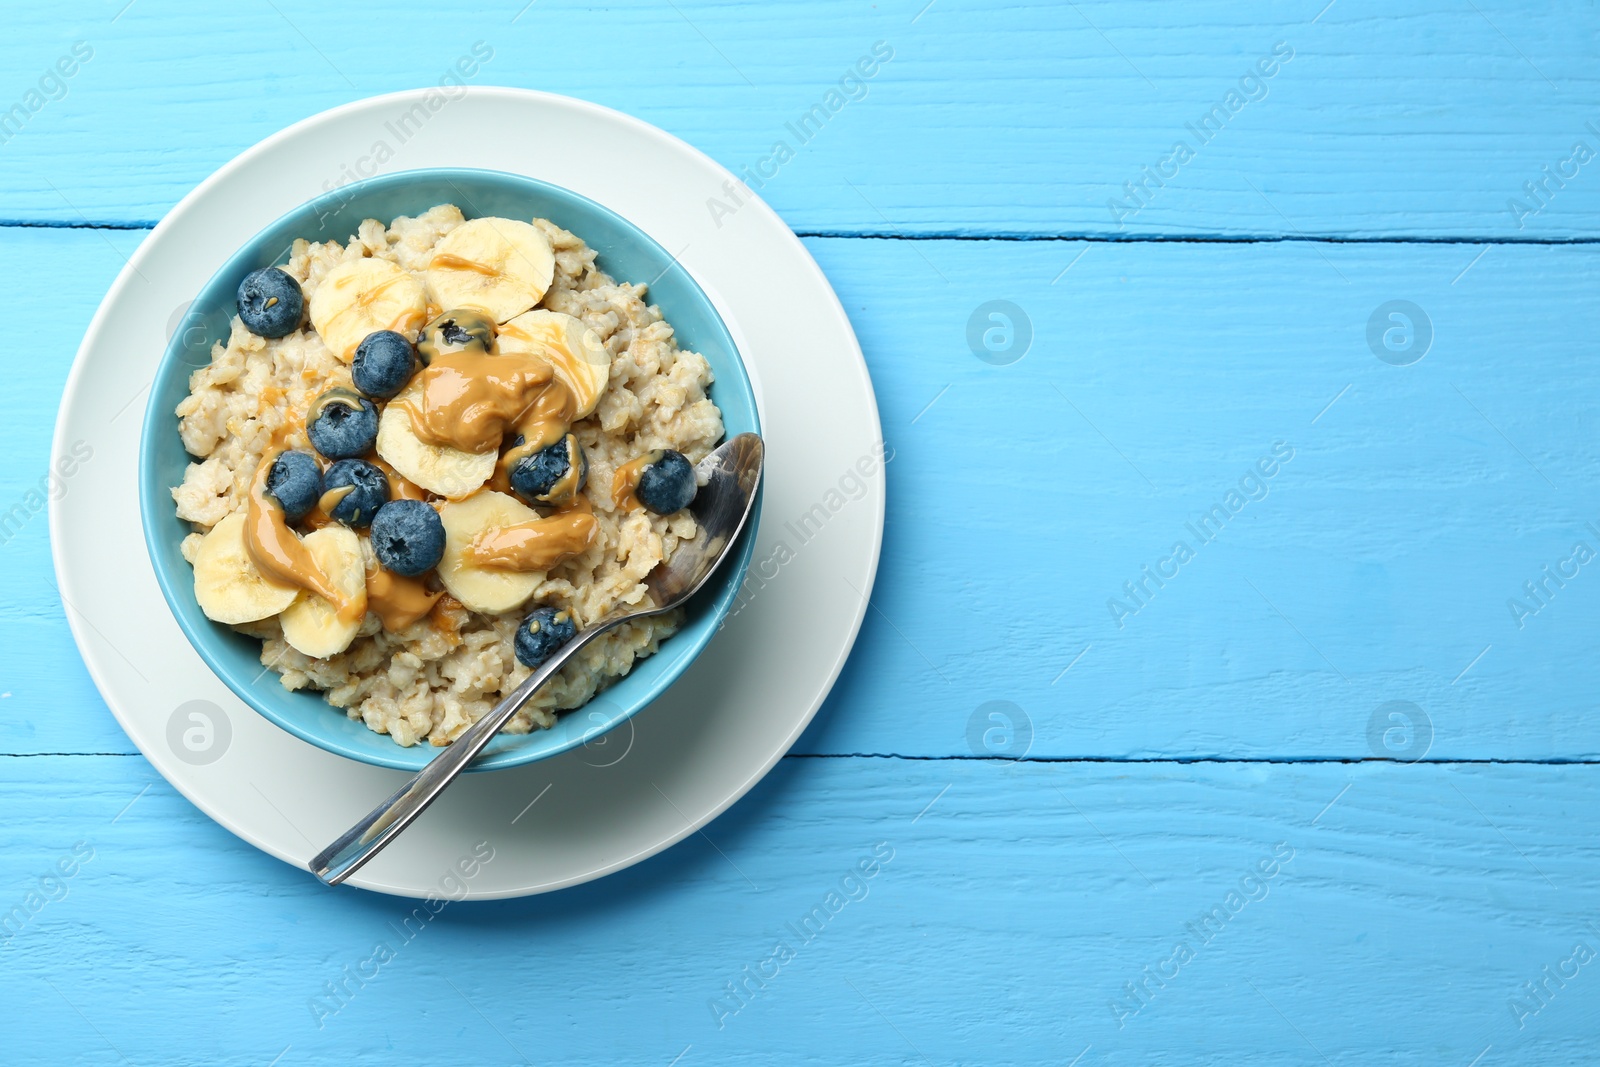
x=1065, y=905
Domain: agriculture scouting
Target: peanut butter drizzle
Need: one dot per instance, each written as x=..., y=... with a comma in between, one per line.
x=626, y=480
x=470, y=398
x=447, y=617
x=396, y=600
x=559, y=356
x=278, y=551
x=549, y=417
x=345, y=398
x=450, y=261
x=293, y=424
x=407, y=322
x=400, y=487
x=538, y=544
x=322, y=514
x=566, y=487
x=545, y=422
x=478, y=328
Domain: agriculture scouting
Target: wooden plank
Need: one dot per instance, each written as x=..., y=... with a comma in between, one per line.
x=1010, y=908
x=1378, y=567
x=1379, y=564
x=51, y=282
x=1027, y=118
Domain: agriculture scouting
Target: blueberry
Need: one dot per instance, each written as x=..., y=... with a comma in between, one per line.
x=541, y=633
x=543, y=477
x=369, y=491
x=383, y=364
x=342, y=424
x=408, y=537
x=667, y=485
x=455, y=331
x=270, y=302
x=295, y=482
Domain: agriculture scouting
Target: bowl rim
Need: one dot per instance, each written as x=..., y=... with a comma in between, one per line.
x=201, y=631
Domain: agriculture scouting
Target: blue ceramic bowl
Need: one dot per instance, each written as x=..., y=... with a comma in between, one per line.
x=626, y=253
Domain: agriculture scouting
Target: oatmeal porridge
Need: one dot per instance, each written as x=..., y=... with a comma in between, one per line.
x=426, y=457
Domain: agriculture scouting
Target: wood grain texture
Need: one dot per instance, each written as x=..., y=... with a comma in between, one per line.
x=47, y=700
x=1405, y=909
x=1377, y=568
x=1073, y=907
x=1024, y=118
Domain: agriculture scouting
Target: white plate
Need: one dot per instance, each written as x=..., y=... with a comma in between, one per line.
x=688, y=756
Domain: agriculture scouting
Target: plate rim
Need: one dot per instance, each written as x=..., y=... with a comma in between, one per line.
x=74, y=385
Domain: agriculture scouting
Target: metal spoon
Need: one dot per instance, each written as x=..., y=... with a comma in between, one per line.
x=720, y=509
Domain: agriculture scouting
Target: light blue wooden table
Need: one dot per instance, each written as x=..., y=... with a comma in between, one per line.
x=1318, y=787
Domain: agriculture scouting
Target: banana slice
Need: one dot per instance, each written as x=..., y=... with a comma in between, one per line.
x=311, y=624
x=490, y=590
x=500, y=266
x=437, y=468
x=227, y=584
x=574, y=351
x=362, y=296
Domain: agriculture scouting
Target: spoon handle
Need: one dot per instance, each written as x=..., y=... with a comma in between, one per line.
x=367, y=838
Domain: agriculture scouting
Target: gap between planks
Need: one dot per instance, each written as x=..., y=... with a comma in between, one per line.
x=1004, y=236
x=1552, y=761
